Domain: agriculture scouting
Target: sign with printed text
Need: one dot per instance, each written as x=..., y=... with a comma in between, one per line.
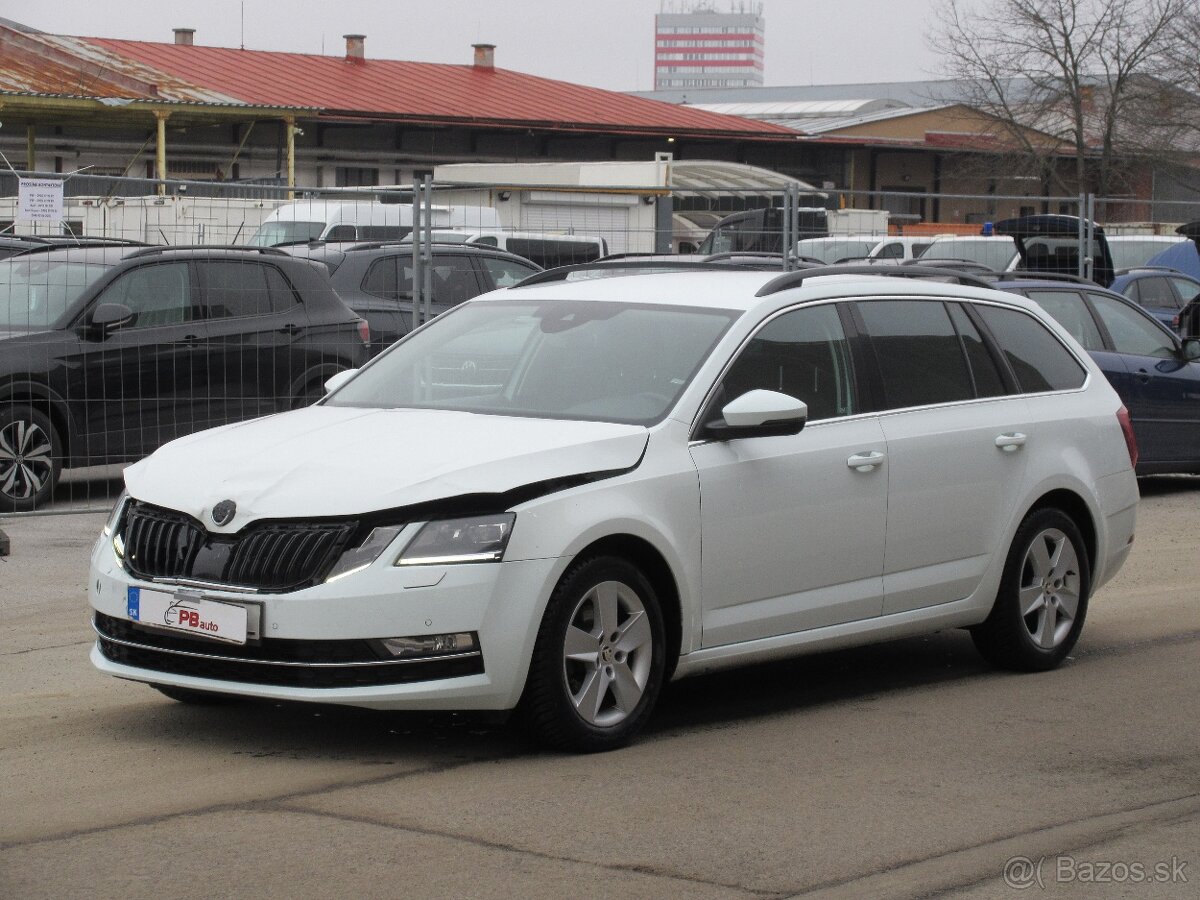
x=40, y=199
x=184, y=612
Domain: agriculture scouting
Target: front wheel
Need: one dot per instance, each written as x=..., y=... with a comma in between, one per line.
x=30, y=460
x=599, y=658
x=1043, y=596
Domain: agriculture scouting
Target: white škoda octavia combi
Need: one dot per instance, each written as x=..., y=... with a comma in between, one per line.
x=557, y=497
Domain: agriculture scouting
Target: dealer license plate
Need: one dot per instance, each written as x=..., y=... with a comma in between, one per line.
x=185, y=612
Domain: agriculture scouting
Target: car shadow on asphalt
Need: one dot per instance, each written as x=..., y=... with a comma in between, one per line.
x=308, y=732
x=1167, y=485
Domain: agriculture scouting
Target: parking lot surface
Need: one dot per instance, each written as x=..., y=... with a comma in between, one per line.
x=907, y=769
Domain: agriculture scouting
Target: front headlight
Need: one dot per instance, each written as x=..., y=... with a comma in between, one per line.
x=115, y=515
x=447, y=541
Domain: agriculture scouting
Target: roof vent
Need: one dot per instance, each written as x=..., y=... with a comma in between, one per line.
x=485, y=56
x=355, y=47
x=183, y=36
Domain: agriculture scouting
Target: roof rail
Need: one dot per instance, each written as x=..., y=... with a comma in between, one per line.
x=1031, y=275
x=795, y=279
x=44, y=246
x=1170, y=269
x=242, y=248
x=648, y=265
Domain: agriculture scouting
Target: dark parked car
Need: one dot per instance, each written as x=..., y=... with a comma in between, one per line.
x=376, y=279
x=108, y=352
x=1162, y=292
x=1051, y=244
x=1156, y=373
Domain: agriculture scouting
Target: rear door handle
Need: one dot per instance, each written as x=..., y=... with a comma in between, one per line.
x=1143, y=377
x=865, y=462
x=1011, y=442
x=189, y=340
x=290, y=328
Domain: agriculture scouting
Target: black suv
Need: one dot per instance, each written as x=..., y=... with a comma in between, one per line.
x=376, y=279
x=106, y=352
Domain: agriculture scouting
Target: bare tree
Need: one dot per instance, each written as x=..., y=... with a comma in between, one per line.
x=1063, y=78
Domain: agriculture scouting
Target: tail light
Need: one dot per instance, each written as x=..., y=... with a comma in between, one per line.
x=364, y=331
x=1130, y=439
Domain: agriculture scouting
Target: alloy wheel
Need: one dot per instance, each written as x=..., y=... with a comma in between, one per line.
x=26, y=459
x=607, y=653
x=1049, y=588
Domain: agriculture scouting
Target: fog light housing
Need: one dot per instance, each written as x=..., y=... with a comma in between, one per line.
x=427, y=645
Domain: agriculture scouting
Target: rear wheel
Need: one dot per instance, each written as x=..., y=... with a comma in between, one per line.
x=1043, y=596
x=30, y=459
x=598, y=662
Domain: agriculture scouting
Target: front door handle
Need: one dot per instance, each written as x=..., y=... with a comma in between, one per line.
x=290, y=328
x=189, y=340
x=865, y=462
x=1143, y=377
x=1011, y=442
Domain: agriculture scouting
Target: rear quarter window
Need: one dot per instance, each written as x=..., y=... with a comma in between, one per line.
x=1038, y=359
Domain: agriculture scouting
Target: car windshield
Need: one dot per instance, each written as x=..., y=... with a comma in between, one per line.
x=270, y=234
x=996, y=254
x=557, y=359
x=36, y=291
x=832, y=251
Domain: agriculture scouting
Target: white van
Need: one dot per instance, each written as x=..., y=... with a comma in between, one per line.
x=547, y=250
x=839, y=247
x=330, y=220
x=997, y=252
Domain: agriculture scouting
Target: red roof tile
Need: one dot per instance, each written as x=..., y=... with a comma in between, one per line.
x=383, y=88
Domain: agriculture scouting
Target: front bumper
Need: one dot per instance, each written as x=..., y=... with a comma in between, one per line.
x=318, y=644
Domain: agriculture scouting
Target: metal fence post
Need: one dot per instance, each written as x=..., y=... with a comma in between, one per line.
x=427, y=282
x=417, y=260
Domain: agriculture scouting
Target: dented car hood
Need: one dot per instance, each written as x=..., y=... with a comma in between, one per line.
x=338, y=461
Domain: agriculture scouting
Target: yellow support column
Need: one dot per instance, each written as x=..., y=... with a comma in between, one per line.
x=160, y=151
x=290, y=127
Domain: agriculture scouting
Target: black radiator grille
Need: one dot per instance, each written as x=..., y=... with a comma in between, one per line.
x=270, y=556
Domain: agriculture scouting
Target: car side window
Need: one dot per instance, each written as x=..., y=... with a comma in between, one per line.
x=804, y=354
x=987, y=378
x=920, y=357
x=380, y=280
x=157, y=294
x=1187, y=290
x=1068, y=310
x=1133, y=332
x=282, y=295
x=235, y=288
x=1156, y=291
x=341, y=233
x=893, y=250
x=453, y=280
x=506, y=272
x=1038, y=359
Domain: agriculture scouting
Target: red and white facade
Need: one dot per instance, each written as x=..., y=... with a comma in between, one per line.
x=704, y=48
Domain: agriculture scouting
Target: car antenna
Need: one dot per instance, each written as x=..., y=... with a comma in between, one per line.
x=164, y=237
x=238, y=233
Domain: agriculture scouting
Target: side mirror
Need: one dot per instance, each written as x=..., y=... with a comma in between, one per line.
x=1191, y=349
x=108, y=317
x=336, y=380
x=759, y=413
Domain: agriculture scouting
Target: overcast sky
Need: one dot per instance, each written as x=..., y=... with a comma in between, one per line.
x=606, y=43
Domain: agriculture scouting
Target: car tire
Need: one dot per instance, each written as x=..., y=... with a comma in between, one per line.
x=193, y=697
x=30, y=458
x=598, y=661
x=1043, y=596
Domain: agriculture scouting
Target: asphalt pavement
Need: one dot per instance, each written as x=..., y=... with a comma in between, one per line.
x=907, y=769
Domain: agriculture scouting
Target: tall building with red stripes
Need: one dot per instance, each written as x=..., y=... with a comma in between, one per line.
x=697, y=45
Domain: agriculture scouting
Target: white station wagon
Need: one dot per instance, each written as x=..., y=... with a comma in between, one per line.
x=556, y=497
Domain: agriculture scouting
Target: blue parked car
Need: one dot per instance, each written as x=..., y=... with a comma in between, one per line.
x=1162, y=292
x=1156, y=373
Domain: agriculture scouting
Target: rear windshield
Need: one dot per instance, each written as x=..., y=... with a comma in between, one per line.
x=35, y=292
x=832, y=251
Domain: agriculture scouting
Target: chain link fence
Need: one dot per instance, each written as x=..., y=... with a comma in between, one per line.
x=115, y=339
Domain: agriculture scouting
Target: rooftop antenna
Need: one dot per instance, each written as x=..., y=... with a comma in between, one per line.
x=243, y=5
